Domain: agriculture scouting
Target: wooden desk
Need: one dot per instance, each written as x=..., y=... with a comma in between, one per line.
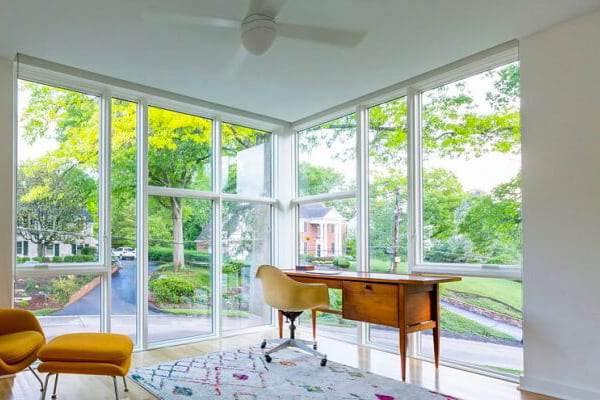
x=410, y=303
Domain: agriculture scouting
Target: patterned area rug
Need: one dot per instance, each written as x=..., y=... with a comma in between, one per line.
x=243, y=374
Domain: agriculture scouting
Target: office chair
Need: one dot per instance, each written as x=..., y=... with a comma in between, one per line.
x=291, y=298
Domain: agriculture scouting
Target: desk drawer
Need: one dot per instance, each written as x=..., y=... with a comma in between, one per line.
x=370, y=302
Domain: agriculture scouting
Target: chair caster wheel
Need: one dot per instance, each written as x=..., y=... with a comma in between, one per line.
x=315, y=346
x=323, y=362
x=268, y=358
x=263, y=344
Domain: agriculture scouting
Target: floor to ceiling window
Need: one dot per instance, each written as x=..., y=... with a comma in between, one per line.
x=123, y=222
x=246, y=230
x=471, y=213
x=441, y=170
x=57, y=215
x=327, y=225
x=81, y=206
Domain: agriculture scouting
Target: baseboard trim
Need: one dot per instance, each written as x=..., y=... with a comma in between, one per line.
x=555, y=389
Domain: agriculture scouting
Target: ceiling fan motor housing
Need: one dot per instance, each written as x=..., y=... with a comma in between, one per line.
x=258, y=33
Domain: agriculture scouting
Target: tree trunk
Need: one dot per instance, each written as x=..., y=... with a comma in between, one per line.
x=41, y=249
x=176, y=214
x=397, y=212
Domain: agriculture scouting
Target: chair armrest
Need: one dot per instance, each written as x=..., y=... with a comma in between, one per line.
x=12, y=321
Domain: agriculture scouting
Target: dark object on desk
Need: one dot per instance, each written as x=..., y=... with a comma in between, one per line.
x=305, y=267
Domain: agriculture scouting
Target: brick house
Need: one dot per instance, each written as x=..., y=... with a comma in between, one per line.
x=324, y=227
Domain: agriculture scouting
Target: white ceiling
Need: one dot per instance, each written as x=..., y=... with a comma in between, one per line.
x=295, y=79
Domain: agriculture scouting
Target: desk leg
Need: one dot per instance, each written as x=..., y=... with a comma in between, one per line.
x=435, y=294
x=314, y=324
x=402, y=329
x=280, y=321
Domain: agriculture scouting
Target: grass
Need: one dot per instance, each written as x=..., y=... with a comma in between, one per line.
x=501, y=290
x=505, y=370
x=42, y=312
x=457, y=324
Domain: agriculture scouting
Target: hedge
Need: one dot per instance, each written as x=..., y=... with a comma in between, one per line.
x=172, y=290
x=341, y=262
x=165, y=254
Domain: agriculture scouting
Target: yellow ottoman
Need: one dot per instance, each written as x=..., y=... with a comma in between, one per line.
x=86, y=353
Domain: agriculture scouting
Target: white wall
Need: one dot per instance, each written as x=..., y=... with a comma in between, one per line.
x=560, y=70
x=6, y=180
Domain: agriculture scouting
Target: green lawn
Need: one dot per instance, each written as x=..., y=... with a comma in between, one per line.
x=454, y=323
x=502, y=290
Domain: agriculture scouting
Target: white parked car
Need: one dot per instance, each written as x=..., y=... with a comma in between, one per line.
x=125, y=253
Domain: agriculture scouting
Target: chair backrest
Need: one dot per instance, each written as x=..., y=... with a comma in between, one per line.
x=13, y=320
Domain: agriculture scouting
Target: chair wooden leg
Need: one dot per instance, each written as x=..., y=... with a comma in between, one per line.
x=280, y=320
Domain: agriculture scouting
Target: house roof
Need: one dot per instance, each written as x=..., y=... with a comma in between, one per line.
x=313, y=211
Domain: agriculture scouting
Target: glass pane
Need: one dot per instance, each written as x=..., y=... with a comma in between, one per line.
x=63, y=304
x=180, y=268
x=246, y=160
x=482, y=324
x=123, y=218
x=327, y=157
x=472, y=170
x=388, y=219
x=179, y=150
x=57, y=175
x=246, y=245
x=327, y=240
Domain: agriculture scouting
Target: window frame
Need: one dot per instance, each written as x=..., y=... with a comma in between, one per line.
x=412, y=89
x=106, y=89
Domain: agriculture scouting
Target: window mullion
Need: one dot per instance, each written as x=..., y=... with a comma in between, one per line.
x=142, y=223
x=415, y=253
x=104, y=209
x=217, y=235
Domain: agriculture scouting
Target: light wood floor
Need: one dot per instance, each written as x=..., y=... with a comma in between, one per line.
x=450, y=381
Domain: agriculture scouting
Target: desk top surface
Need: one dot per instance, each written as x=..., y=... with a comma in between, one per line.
x=374, y=277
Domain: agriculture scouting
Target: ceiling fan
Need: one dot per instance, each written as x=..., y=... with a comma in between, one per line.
x=259, y=29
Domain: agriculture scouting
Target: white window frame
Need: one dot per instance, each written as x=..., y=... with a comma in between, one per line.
x=412, y=89
x=107, y=89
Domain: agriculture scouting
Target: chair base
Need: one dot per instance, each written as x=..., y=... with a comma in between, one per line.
x=304, y=345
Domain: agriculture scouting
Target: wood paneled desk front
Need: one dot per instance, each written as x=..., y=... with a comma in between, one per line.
x=410, y=303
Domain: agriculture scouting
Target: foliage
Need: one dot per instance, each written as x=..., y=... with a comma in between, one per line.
x=341, y=262
x=165, y=254
x=233, y=267
x=457, y=324
x=172, y=290
x=316, y=179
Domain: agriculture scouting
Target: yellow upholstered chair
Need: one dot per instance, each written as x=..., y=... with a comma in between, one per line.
x=21, y=338
x=291, y=298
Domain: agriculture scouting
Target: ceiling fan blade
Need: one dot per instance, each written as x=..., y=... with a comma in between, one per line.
x=336, y=37
x=232, y=69
x=167, y=16
x=270, y=8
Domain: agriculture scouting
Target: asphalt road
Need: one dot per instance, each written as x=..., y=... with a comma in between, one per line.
x=124, y=288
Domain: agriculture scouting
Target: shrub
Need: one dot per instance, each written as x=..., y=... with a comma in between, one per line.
x=22, y=260
x=172, y=290
x=38, y=259
x=69, y=259
x=57, y=259
x=233, y=267
x=341, y=262
x=47, y=259
x=62, y=288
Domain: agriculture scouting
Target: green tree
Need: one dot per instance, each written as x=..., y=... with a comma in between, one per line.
x=52, y=203
x=316, y=180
